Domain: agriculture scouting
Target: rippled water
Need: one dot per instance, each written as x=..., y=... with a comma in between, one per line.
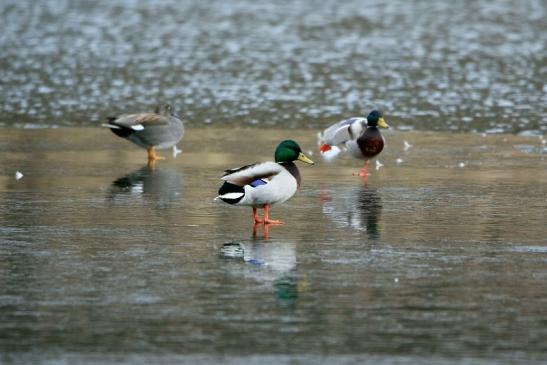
x=439, y=260
x=439, y=65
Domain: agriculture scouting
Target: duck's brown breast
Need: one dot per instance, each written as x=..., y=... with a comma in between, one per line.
x=371, y=142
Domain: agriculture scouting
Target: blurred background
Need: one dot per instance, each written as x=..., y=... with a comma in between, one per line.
x=473, y=66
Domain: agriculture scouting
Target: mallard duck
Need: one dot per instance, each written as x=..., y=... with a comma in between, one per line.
x=159, y=130
x=361, y=137
x=263, y=184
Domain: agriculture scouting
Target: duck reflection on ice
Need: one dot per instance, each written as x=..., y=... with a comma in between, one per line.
x=265, y=230
x=271, y=263
x=162, y=186
x=359, y=208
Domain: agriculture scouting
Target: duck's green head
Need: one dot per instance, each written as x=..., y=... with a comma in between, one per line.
x=289, y=151
x=376, y=119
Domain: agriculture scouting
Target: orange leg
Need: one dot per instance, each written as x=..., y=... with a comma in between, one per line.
x=266, y=234
x=256, y=217
x=152, y=155
x=255, y=228
x=266, y=230
x=364, y=172
x=267, y=219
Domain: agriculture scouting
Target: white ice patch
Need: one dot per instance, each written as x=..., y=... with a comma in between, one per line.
x=176, y=151
x=18, y=175
x=407, y=146
x=378, y=165
x=137, y=127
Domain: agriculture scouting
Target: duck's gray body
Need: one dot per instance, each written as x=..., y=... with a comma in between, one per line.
x=146, y=130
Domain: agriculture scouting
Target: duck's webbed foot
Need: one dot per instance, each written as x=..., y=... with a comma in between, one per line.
x=267, y=219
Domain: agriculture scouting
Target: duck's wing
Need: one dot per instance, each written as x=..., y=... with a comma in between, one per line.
x=136, y=122
x=343, y=131
x=247, y=174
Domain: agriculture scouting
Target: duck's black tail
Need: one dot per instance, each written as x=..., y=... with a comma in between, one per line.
x=118, y=130
x=231, y=193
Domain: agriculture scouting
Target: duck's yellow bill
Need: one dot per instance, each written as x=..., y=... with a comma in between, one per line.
x=382, y=123
x=302, y=157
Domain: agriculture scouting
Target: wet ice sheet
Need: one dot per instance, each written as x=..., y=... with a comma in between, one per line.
x=458, y=65
x=103, y=259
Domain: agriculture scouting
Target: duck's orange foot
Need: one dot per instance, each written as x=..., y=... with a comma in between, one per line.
x=267, y=219
x=364, y=171
x=156, y=157
x=273, y=221
x=325, y=196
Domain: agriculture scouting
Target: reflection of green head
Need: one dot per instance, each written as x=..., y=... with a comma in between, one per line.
x=286, y=289
x=289, y=151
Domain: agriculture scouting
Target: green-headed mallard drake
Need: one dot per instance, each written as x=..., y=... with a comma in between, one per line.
x=159, y=130
x=263, y=184
x=361, y=137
